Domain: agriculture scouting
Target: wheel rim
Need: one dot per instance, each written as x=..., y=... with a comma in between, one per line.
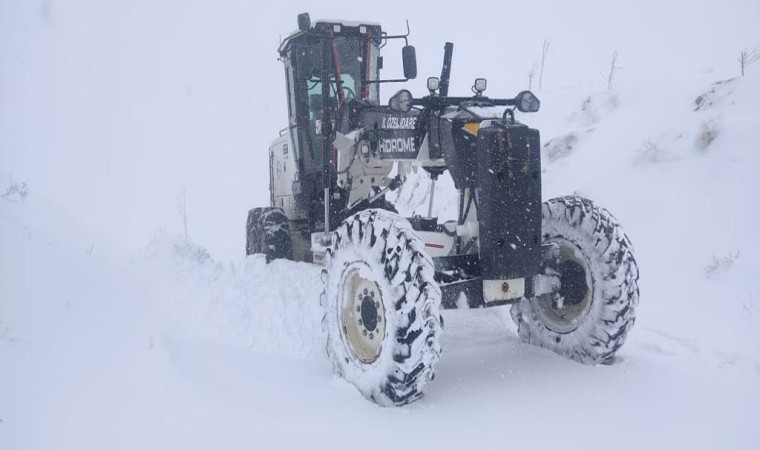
x=563, y=312
x=361, y=314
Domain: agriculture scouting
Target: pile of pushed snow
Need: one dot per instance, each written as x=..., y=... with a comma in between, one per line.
x=269, y=308
x=413, y=198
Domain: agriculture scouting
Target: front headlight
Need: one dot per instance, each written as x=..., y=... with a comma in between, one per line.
x=527, y=102
x=433, y=83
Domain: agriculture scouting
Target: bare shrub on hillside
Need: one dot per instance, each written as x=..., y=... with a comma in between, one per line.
x=16, y=191
x=594, y=107
x=651, y=153
x=531, y=73
x=720, y=265
x=749, y=306
x=544, y=52
x=182, y=209
x=708, y=131
x=748, y=56
x=179, y=249
x=561, y=146
x=609, y=77
x=7, y=335
x=717, y=92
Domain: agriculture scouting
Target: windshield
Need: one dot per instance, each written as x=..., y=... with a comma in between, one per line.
x=353, y=67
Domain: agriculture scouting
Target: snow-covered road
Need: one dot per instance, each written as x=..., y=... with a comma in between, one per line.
x=174, y=350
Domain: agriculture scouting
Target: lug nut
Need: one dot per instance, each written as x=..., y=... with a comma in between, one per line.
x=372, y=294
x=377, y=305
x=360, y=322
x=364, y=332
x=371, y=336
x=365, y=291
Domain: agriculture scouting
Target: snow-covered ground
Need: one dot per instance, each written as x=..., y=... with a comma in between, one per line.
x=111, y=338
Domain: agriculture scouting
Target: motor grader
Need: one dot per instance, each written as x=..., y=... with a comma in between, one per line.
x=565, y=264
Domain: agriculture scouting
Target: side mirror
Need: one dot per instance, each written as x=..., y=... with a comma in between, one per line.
x=409, y=57
x=527, y=102
x=304, y=22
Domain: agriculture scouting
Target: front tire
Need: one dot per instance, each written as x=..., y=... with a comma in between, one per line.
x=590, y=316
x=382, y=308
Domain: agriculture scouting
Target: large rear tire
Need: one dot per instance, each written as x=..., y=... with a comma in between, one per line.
x=267, y=232
x=382, y=308
x=589, y=318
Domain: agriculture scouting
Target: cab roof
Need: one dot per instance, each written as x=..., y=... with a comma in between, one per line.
x=346, y=26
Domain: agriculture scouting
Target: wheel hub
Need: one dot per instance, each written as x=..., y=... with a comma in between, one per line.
x=362, y=315
x=369, y=313
x=563, y=310
x=573, y=287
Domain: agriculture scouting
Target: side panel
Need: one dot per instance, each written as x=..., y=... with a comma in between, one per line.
x=509, y=197
x=459, y=148
x=283, y=172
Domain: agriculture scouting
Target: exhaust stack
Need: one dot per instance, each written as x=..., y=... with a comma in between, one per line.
x=448, y=49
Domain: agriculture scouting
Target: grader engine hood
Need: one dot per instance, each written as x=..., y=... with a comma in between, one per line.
x=508, y=171
x=392, y=134
x=500, y=160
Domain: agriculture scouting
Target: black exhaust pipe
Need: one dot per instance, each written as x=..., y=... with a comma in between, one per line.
x=448, y=49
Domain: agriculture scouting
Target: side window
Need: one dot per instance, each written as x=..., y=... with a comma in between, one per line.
x=290, y=86
x=315, y=94
x=349, y=85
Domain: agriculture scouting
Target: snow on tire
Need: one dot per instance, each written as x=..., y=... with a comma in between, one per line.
x=382, y=308
x=267, y=232
x=596, y=306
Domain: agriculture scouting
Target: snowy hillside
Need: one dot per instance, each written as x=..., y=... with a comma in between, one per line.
x=116, y=332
